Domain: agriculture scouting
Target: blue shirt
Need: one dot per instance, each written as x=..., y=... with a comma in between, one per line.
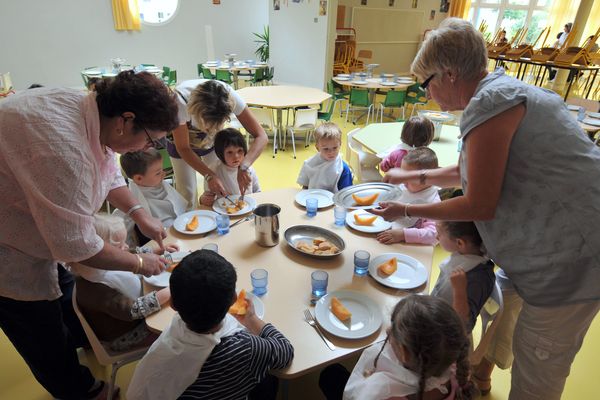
x=346, y=177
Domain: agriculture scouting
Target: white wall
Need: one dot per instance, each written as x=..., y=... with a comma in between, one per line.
x=299, y=45
x=50, y=42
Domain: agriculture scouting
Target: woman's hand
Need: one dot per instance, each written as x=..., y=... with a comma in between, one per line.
x=152, y=228
x=389, y=210
x=244, y=180
x=171, y=248
x=216, y=186
x=397, y=176
x=152, y=264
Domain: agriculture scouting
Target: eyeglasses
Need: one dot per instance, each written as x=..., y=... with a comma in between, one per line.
x=426, y=82
x=151, y=142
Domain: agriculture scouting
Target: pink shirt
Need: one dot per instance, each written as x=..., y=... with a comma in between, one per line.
x=54, y=175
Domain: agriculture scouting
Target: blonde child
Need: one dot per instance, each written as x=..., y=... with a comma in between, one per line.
x=416, y=132
x=326, y=170
x=466, y=277
x=231, y=149
x=425, y=355
x=158, y=197
x=415, y=230
x=112, y=301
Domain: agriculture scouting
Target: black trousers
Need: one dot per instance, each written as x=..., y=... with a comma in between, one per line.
x=332, y=381
x=46, y=334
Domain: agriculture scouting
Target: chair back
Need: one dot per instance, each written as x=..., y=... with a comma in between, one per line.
x=305, y=118
x=205, y=72
x=325, y=113
x=368, y=54
x=105, y=357
x=490, y=315
x=394, y=98
x=415, y=94
x=264, y=116
x=6, y=85
x=224, y=75
x=360, y=97
x=166, y=71
x=259, y=74
x=363, y=164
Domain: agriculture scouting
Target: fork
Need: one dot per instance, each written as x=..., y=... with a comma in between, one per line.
x=231, y=201
x=308, y=317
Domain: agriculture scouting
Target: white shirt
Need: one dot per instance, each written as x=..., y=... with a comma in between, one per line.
x=228, y=176
x=318, y=173
x=425, y=196
x=54, y=176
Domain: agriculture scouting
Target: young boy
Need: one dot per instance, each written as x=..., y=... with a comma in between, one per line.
x=326, y=170
x=205, y=353
x=230, y=148
x=144, y=169
x=415, y=230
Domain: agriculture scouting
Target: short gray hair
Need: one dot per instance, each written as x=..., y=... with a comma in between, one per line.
x=455, y=46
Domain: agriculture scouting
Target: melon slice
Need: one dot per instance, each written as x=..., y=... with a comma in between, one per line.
x=364, y=219
x=193, y=224
x=339, y=310
x=365, y=200
x=241, y=304
x=388, y=267
x=171, y=267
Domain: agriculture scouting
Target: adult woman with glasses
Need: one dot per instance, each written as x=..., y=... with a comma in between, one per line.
x=204, y=107
x=58, y=165
x=529, y=175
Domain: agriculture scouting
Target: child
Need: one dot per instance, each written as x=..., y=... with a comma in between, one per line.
x=326, y=170
x=230, y=148
x=425, y=355
x=144, y=169
x=415, y=230
x=416, y=132
x=205, y=352
x=467, y=277
x=111, y=300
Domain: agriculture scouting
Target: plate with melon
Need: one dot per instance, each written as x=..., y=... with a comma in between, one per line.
x=398, y=271
x=240, y=305
x=364, y=221
x=366, y=195
x=236, y=206
x=162, y=279
x=196, y=222
x=348, y=314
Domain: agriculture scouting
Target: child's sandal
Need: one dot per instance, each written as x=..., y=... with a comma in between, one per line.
x=484, y=385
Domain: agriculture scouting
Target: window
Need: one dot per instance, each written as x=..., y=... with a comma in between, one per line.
x=511, y=15
x=157, y=12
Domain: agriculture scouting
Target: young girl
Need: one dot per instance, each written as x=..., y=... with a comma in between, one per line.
x=230, y=148
x=416, y=132
x=111, y=300
x=467, y=277
x=425, y=354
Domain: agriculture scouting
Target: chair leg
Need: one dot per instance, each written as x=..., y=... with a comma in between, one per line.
x=113, y=377
x=275, y=133
x=293, y=142
x=347, y=111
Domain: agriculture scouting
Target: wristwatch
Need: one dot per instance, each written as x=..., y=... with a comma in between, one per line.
x=244, y=167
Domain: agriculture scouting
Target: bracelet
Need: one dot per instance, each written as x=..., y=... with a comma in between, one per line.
x=208, y=177
x=244, y=167
x=422, y=176
x=140, y=265
x=406, y=214
x=133, y=209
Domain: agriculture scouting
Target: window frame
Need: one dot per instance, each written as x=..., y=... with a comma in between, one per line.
x=166, y=21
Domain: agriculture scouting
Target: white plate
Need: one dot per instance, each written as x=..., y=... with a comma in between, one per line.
x=259, y=306
x=388, y=75
x=386, y=191
x=92, y=72
x=379, y=225
x=324, y=197
x=366, y=315
x=153, y=69
x=162, y=279
x=342, y=78
x=593, y=115
x=221, y=203
x=591, y=121
x=359, y=82
x=109, y=74
x=572, y=107
x=206, y=222
x=410, y=273
x=389, y=83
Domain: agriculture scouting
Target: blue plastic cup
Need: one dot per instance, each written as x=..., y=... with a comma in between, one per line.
x=260, y=279
x=361, y=262
x=340, y=215
x=318, y=282
x=222, y=224
x=312, y=204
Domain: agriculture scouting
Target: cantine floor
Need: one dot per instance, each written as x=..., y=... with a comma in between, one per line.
x=17, y=383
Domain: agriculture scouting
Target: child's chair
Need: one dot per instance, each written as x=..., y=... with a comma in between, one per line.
x=490, y=314
x=305, y=120
x=105, y=356
x=363, y=164
x=359, y=99
x=265, y=118
x=393, y=99
x=415, y=96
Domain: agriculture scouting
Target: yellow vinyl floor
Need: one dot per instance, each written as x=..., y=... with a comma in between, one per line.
x=17, y=383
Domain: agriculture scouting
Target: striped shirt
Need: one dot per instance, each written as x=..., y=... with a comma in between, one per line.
x=239, y=363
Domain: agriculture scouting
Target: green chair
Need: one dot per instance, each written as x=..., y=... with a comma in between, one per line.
x=415, y=96
x=224, y=75
x=336, y=95
x=165, y=74
x=269, y=74
x=166, y=163
x=205, y=72
x=172, y=78
x=359, y=99
x=393, y=99
x=258, y=77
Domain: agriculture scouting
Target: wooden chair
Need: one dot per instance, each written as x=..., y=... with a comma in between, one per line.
x=549, y=53
x=358, y=64
x=525, y=49
x=578, y=55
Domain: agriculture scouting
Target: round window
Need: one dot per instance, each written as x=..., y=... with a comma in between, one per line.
x=157, y=12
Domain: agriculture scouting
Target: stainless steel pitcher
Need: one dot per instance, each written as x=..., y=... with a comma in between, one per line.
x=267, y=224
